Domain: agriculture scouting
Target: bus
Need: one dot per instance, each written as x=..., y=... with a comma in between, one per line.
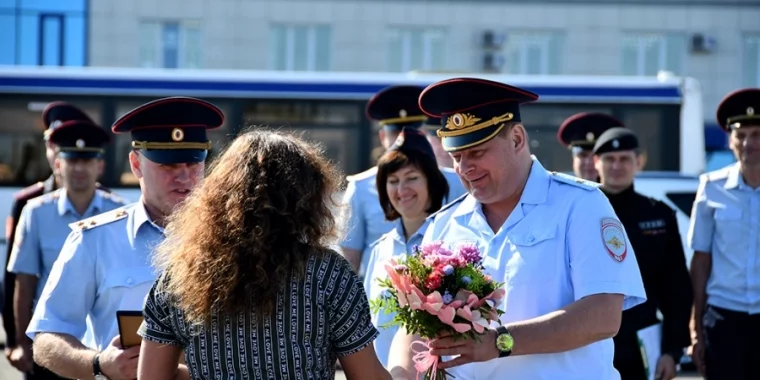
x=664, y=110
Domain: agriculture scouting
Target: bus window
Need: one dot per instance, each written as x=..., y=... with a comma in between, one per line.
x=22, y=149
x=331, y=123
x=123, y=142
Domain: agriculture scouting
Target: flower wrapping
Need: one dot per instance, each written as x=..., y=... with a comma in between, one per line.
x=439, y=290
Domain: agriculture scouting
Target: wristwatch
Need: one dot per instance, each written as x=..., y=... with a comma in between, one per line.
x=96, y=368
x=504, y=341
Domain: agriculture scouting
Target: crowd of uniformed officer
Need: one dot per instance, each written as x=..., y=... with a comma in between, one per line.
x=77, y=254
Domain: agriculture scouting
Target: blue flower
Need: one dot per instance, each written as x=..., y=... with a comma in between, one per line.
x=466, y=280
x=448, y=270
x=386, y=294
x=447, y=298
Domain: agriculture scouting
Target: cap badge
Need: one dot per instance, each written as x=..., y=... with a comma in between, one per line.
x=55, y=124
x=177, y=134
x=80, y=143
x=590, y=136
x=402, y=113
x=750, y=111
x=615, y=144
x=461, y=120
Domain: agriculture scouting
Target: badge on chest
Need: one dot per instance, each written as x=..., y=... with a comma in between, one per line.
x=652, y=227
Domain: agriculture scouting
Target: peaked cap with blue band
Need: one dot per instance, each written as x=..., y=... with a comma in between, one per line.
x=740, y=108
x=472, y=111
x=396, y=107
x=432, y=124
x=412, y=139
x=56, y=113
x=79, y=139
x=580, y=131
x=171, y=130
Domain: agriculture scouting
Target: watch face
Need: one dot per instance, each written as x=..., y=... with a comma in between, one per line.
x=504, y=342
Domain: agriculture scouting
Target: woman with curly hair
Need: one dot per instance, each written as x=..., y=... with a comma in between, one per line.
x=250, y=289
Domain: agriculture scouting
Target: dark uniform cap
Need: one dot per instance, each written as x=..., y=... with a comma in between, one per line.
x=580, y=131
x=740, y=108
x=412, y=139
x=171, y=130
x=79, y=139
x=472, y=111
x=56, y=113
x=432, y=125
x=396, y=107
x=615, y=140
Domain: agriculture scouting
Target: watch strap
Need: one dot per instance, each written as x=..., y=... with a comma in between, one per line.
x=96, y=365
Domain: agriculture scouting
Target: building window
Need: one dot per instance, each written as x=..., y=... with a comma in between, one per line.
x=170, y=44
x=300, y=47
x=751, y=61
x=645, y=54
x=533, y=53
x=416, y=49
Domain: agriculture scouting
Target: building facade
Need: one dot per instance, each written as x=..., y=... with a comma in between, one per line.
x=43, y=32
x=717, y=42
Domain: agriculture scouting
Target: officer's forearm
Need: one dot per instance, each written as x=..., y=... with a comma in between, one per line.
x=581, y=323
x=701, y=265
x=23, y=299
x=64, y=355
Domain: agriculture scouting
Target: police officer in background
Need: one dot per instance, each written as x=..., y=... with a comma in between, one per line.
x=579, y=133
x=431, y=126
x=653, y=230
x=393, y=108
x=725, y=269
x=105, y=264
x=53, y=115
x=44, y=225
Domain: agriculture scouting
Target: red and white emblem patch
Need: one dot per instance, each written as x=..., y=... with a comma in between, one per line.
x=614, y=239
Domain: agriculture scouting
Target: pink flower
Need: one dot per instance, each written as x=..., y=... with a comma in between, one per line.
x=470, y=253
x=431, y=248
x=446, y=315
x=433, y=303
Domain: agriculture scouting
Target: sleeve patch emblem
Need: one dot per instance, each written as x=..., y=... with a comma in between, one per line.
x=614, y=239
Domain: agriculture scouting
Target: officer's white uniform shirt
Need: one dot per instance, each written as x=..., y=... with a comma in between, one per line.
x=103, y=267
x=366, y=221
x=43, y=228
x=391, y=245
x=561, y=243
x=725, y=223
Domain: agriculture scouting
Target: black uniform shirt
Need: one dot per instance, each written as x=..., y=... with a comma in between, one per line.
x=653, y=231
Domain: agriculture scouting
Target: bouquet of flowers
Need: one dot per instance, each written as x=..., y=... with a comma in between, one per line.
x=439, y=290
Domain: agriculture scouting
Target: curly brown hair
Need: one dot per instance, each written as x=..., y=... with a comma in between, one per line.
x=265, y=206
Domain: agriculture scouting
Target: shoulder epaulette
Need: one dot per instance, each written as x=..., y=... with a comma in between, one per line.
x=717, y=174
x=29, y=192
x=44, y=198
x=449, y=205
x=574, y=181
x=369, y=173
x=379, y=240
x=99, y=220
x=113, y=197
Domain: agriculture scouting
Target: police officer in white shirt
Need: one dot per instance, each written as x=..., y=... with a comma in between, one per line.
x=725, y=268
x=554, y=240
